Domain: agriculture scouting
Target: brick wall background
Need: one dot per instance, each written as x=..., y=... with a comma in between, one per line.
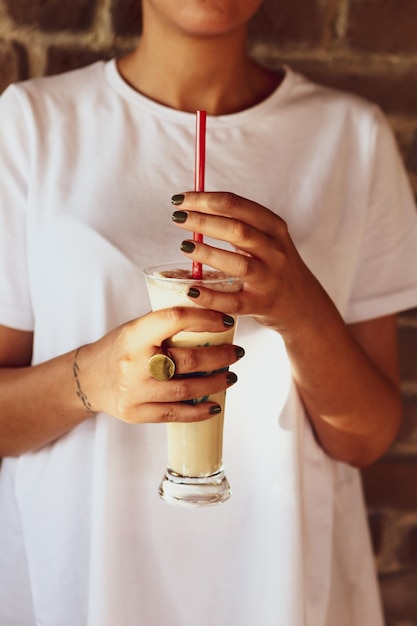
x=365, y=46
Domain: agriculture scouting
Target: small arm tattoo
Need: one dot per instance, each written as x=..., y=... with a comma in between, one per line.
x=80, y=392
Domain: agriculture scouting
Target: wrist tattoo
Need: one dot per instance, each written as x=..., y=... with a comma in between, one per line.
x=80, y=392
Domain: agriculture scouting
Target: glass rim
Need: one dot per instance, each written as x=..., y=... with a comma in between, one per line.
x=152, y=271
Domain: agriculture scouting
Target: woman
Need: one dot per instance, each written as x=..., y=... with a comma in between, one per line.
x=319, y=223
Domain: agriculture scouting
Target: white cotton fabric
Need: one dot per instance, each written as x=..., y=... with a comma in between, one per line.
x=88, y=167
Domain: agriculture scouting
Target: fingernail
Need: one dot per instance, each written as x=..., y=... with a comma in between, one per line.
x=231, y=378
x=188, y=246
x=179, y=216
x=193, y=292
x=239, y=352
x=178, y=199
x=228, y=321
x=215, y=409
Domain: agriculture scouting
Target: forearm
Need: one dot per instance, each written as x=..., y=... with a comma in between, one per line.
x=38, y=404
x=354, y=405
x=349, y=384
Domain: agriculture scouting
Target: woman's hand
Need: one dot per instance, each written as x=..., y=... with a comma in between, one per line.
x=347, y=377
x=113, y=374
x=43, y=402
x=278, y=287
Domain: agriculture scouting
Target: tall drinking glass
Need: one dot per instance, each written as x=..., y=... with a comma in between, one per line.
x=194, y=475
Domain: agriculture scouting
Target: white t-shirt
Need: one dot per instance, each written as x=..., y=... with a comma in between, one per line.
x=88, y=167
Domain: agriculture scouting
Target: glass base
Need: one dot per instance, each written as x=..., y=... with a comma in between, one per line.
x=201, y=491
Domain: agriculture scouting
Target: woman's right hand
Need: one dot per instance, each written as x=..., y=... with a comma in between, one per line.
x=113, y=376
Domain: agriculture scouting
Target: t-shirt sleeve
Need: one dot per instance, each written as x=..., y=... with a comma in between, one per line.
x=15, y=304
x=386, y=275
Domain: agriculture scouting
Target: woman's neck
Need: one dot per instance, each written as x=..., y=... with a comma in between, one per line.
x=190, y=73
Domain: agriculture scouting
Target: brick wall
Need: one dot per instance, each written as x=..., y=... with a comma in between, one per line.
x=365, y=46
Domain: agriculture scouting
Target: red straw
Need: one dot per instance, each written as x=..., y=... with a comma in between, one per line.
x=199, y=170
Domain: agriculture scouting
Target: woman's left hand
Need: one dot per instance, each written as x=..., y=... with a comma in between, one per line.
x=279, y=290
x=347, y=376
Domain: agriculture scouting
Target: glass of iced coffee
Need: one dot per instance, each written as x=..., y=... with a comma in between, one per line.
x=194, y=475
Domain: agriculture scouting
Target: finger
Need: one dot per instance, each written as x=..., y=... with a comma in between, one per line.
x=245, y=302
x=230, y=205
x=238, y=233
x=244, y=266
x=157, y=326
x=158, y=412
x=242, y=236
x=189, y=388
x=205, y=359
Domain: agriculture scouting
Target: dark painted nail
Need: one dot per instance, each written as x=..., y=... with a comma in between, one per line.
x=178, y=199
x=228, y=321
x=193, y=292
x=179, y=216
x=231, y=378
x=188, y=246
x=239, y=352
x=215, y=409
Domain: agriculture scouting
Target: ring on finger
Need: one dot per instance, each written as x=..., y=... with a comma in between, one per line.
x=161, y=366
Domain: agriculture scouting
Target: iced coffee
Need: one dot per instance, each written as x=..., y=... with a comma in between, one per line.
x=195, y=474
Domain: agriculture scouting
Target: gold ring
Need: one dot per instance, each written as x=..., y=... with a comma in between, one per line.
x=161, y=367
